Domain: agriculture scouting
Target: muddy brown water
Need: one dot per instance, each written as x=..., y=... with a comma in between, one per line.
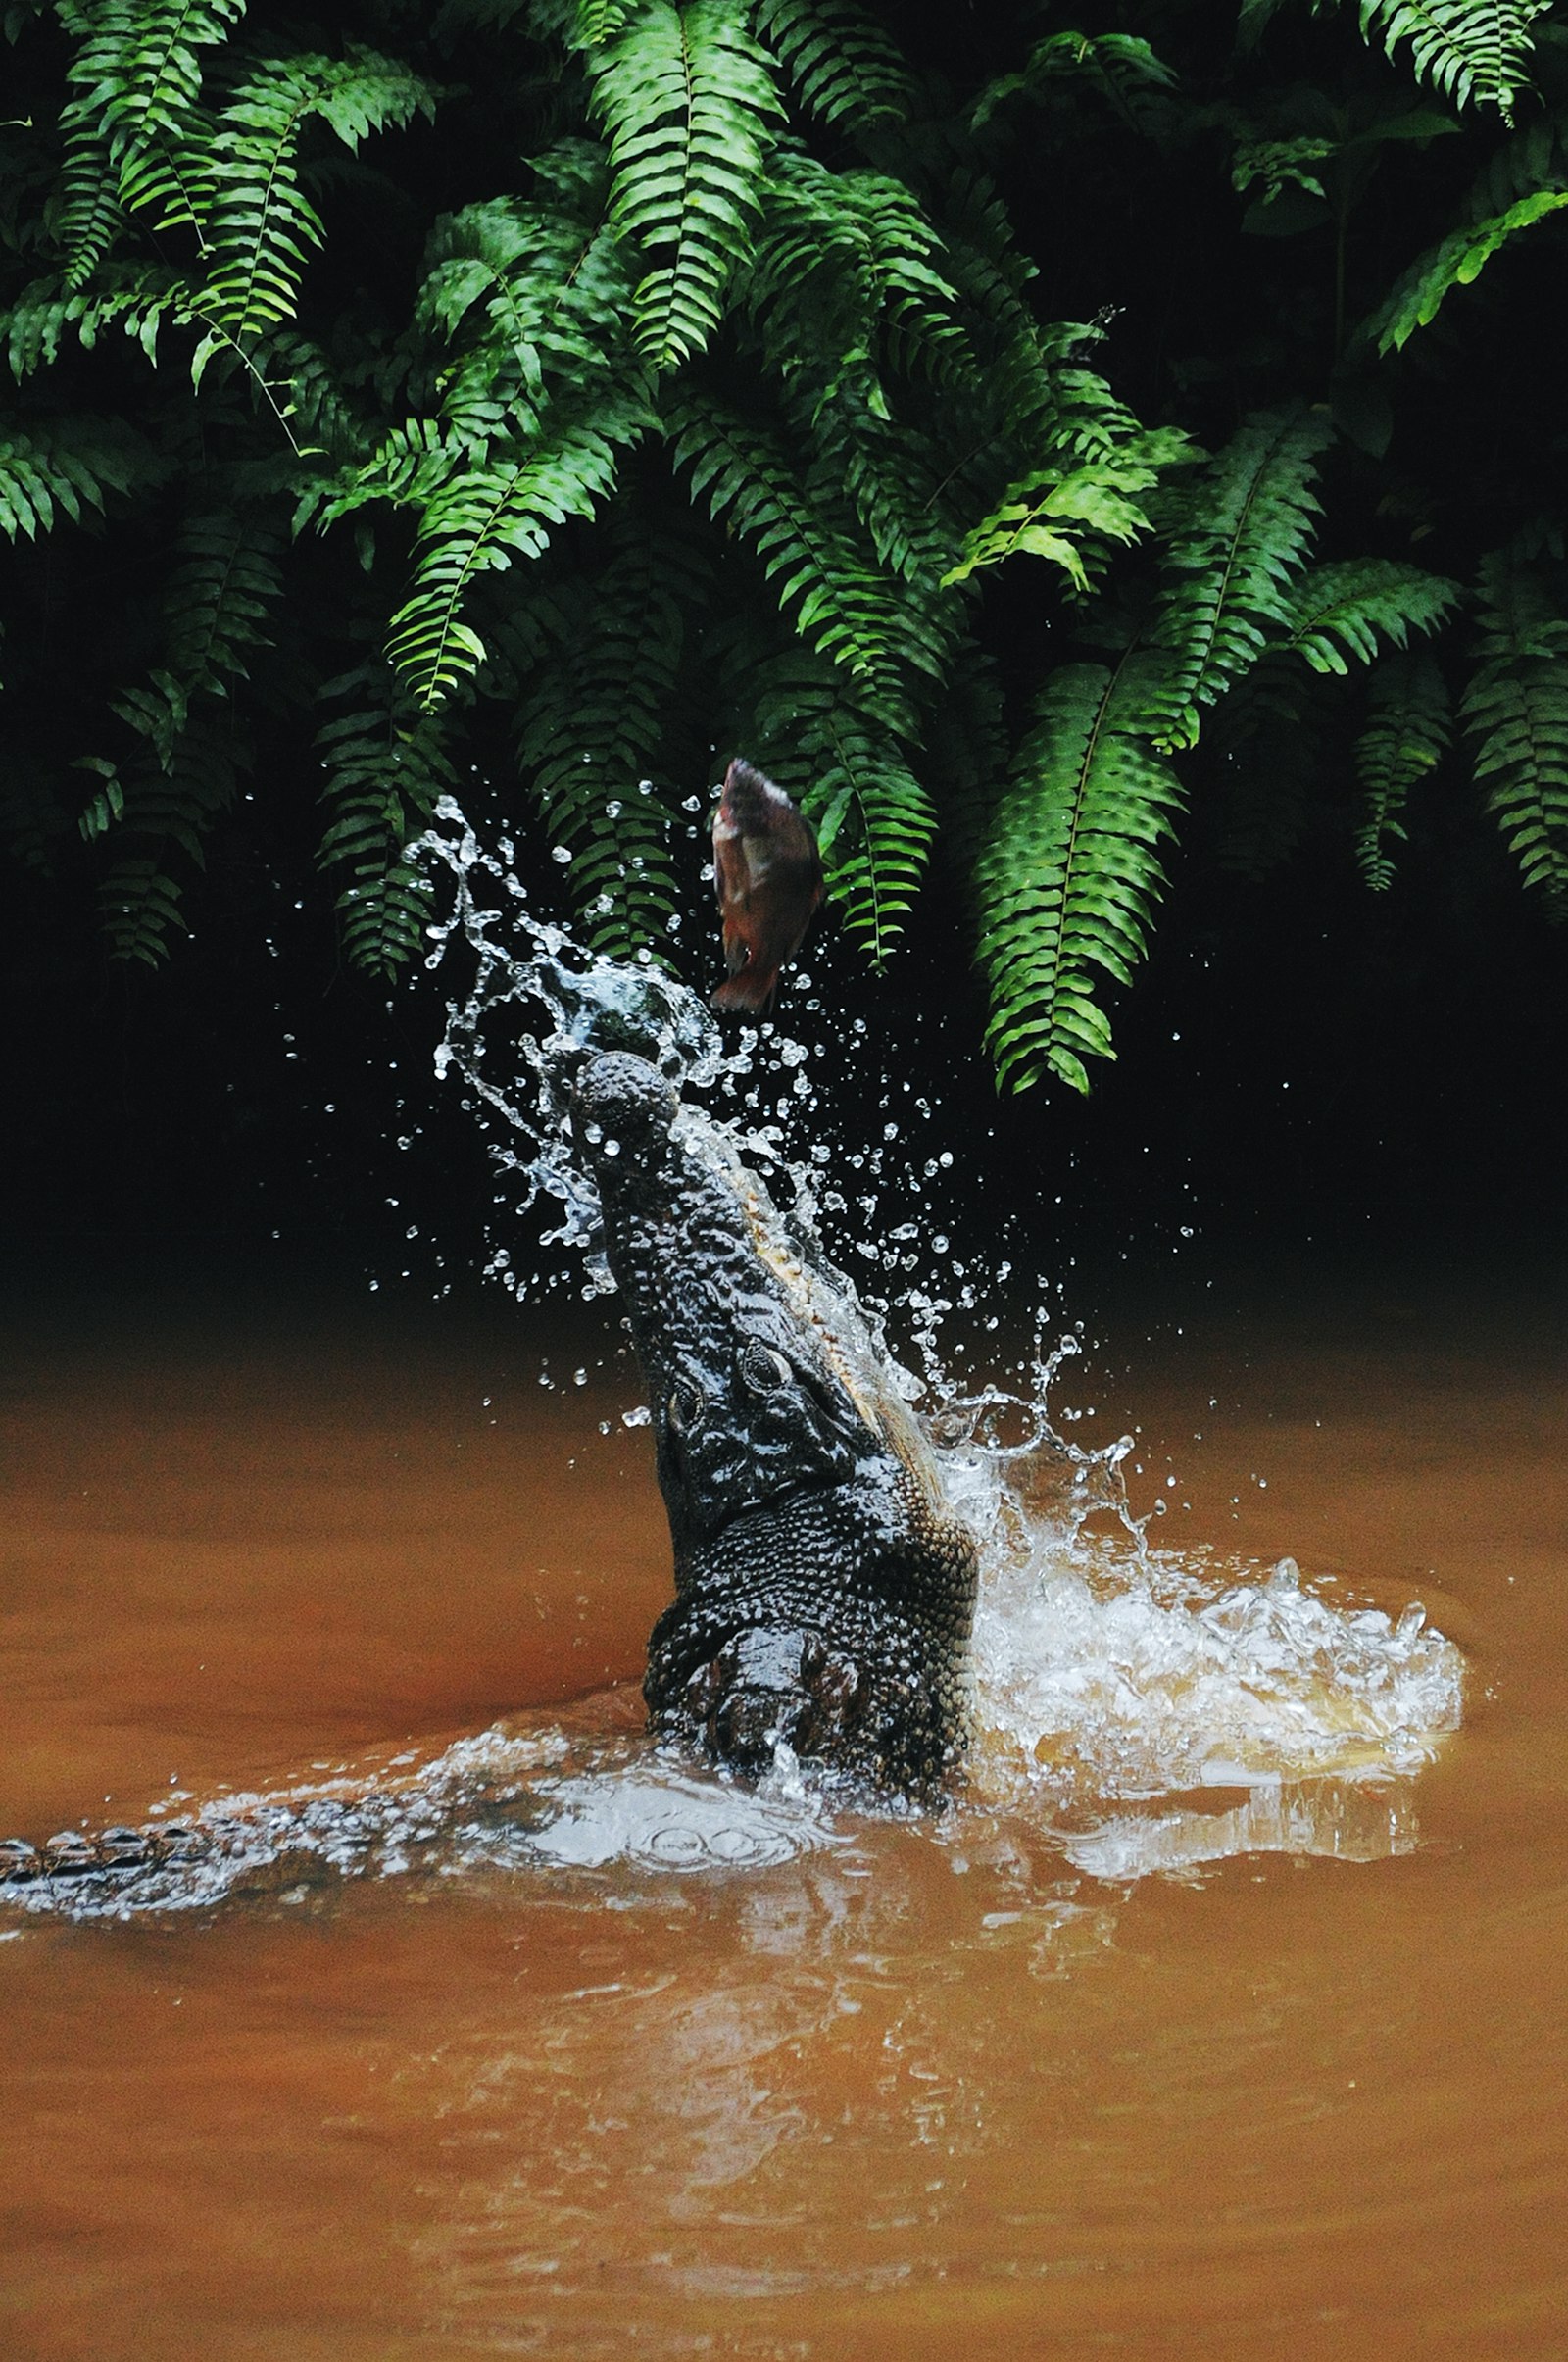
x=922, y=2097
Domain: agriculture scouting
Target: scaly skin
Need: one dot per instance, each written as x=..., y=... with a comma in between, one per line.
x=823, y=1593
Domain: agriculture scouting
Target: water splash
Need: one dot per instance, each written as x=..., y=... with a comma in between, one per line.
x=1106, y=1672
x=1157, y=1710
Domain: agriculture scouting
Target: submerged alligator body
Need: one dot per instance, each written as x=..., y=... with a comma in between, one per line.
x=824, y=1594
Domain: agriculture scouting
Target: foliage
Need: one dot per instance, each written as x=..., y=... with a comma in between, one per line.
x=581, y=389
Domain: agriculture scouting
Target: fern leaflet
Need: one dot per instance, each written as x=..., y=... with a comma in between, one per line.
x=1336, y=613
x=844, y=69
x=1403, y=740
x=688, y=101
x=1070, y=875
x=1248, y=527
x=385, y=769
x=479, y=522
x=1468, y=49
x=1516, y=712
x=1456, y=263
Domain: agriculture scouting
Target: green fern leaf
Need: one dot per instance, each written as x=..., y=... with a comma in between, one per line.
x=218, y=598
x=836, y=601
x=592, y=724
x=87, y=216
x=843, y=66
x=261, y=226
x=1245, y=534
x=481, y=521
x=1456, y=263
x=1403, y=740
x=688, y=102
x=1068, y=878
x=599, y=22
x=139, y=72
x=1534, y=158
x=386, y=768
x=1337, y=612
x=1121, y=67
x=1267, y=762
x=1468, y=49
x=1516, y=712
x=140, y=907
x=67, y=465
x=1071, y=516
x=876, y=823
x=536, y=301
x=875, y=820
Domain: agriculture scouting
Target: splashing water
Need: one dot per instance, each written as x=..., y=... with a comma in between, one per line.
x=1107, y=1673
x=1159, y=1709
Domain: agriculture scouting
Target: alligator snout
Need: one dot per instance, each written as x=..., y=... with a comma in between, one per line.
x=764, y=1686
x=628, y=1098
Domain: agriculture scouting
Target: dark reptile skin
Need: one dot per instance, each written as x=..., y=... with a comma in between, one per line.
x=788, y=1509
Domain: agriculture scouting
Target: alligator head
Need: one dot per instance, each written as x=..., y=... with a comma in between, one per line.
x=823, y=1592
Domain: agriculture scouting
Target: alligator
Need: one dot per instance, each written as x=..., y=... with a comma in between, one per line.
x=825, y=1592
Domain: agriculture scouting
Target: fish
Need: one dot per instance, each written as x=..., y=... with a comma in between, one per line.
x=768, y=875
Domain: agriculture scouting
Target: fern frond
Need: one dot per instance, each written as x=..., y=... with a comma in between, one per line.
x=139, y=72
x=836, y=601
x=87, y=215
x=1265, y=758
x=689, y=104
x=1072, y=515
x=479, y=522
x=874, y=818
x=140, y=908
x=1247, y=526
x=386, y=767
x=1533, y=158
x=966, y=753
x=840, y=62
x=837, y=258
x=1121, y=67
x=49, y=310
x=1337, y=612
x=261, y=226
x=1404, y=738
x=218, y=597
x=1468, y=49
x=532, y=296
x=1456, y=263
x=1069, y=876
x=595, y=22
x=1516, y=712
x=187, y=775
x=67, y=465
x=591, y=729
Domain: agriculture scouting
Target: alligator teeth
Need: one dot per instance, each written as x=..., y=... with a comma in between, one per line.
x=68, y=1855
x=124, y=1849
x=19, y=1862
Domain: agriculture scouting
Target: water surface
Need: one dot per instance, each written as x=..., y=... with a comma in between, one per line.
x=873, y=2089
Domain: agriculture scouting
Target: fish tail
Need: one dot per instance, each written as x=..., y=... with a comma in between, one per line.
x=750, y=990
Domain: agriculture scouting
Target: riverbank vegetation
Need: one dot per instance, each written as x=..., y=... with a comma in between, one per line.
x=1055, y=447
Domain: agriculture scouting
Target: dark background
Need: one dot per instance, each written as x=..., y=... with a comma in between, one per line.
x=1302, y=1066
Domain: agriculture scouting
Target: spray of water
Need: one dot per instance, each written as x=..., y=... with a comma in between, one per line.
x=1157, y=1710
x=1109, y=1673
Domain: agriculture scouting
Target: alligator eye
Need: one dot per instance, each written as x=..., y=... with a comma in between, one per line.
x=687, y=1407
x=764, y=1368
